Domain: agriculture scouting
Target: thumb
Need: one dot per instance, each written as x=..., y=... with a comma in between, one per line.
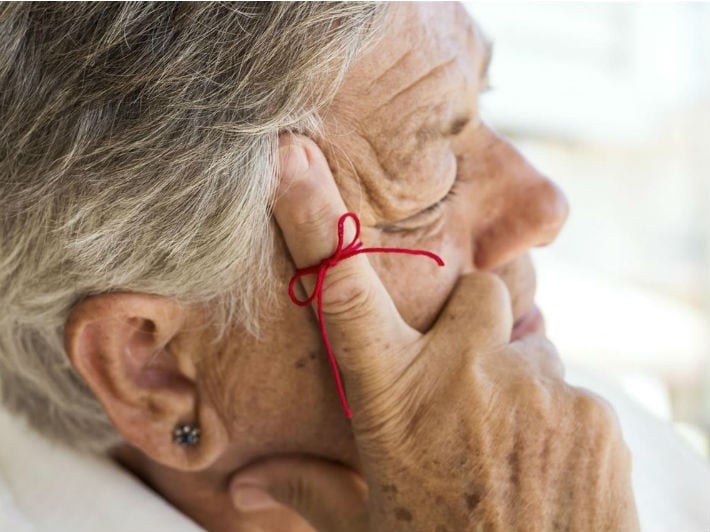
x=478, y=313
x=330, y=496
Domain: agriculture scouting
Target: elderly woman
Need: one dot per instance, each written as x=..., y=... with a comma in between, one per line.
x=167, y=168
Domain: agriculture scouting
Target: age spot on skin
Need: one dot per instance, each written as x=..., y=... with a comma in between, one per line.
x=389, y=488
x=472, y=500
x=301, y=362
x=402, y=514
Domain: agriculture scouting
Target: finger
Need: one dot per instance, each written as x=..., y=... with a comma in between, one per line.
x=478, y=315
x=541, y=355
x=278, y=518
x=360, y=317
x=328, y=495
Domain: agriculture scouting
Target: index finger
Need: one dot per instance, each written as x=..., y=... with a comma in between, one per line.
x=360, y=317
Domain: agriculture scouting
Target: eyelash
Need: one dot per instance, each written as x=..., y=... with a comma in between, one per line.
x=450, y=194
x=418, y=221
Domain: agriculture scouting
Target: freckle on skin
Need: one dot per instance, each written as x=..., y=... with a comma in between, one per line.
x=402, y=514
x=389, y=488
x=312, y=355
x=472, y=500
x=300, y=363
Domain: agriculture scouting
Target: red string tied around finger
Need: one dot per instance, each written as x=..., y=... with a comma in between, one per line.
x=320, y=270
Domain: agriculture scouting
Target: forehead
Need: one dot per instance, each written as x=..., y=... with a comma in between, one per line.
x=398, y=100
x=417, y=37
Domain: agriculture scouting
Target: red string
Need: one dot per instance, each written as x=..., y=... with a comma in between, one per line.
x=341, y=253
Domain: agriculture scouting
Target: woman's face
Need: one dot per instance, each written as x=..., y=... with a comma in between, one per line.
x=412, y=157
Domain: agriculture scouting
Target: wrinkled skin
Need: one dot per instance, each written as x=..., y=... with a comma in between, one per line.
x=454, y=428
x=457, y=429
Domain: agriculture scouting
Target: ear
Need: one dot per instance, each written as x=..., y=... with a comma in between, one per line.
x=138, y=357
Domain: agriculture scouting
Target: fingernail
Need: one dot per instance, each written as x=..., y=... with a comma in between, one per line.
x=293, y=161
x=251, y=498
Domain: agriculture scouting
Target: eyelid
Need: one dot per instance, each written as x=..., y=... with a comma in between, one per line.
x=452, y=192
x=449, y=193
x=417, y=219
x=442, y=201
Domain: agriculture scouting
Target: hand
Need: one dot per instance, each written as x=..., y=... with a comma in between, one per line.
x=457, y=429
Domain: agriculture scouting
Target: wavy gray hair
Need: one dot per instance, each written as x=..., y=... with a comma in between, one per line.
x=137, y=153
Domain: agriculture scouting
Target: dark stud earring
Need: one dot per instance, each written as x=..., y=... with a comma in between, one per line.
x=187, y=435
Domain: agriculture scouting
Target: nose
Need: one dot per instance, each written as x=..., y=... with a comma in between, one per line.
x=527, y=208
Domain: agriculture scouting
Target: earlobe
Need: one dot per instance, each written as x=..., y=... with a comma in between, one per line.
x=130, y=349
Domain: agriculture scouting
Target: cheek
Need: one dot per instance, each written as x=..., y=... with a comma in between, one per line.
x=419, y=287
x=275, y=394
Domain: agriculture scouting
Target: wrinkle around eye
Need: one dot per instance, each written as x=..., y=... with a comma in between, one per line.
x=418, y=230
x=429, y=213
x=387, y=71
x=413, y=85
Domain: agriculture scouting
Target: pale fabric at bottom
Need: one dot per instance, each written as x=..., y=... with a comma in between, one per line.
x=45, y=487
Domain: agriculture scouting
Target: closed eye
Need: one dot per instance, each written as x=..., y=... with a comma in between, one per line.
x=436, y=206
x=424, y=217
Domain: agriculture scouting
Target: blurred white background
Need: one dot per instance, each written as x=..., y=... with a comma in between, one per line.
x=613, y=102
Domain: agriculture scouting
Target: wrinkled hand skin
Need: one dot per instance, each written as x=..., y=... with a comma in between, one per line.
x=479, y=437
x=458, y=428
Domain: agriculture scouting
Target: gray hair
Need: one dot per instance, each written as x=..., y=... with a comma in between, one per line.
x=138, y=147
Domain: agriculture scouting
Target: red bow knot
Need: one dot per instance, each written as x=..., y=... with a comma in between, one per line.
x=320, y=270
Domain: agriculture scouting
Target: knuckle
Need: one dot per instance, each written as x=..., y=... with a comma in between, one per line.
x=594, y=410
x=535, y=394
x=548, y=356
x=546, y=347
x=347, y=294
x=295, y=493
x=314, y=219
x=538, y=358
x=301, y=493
